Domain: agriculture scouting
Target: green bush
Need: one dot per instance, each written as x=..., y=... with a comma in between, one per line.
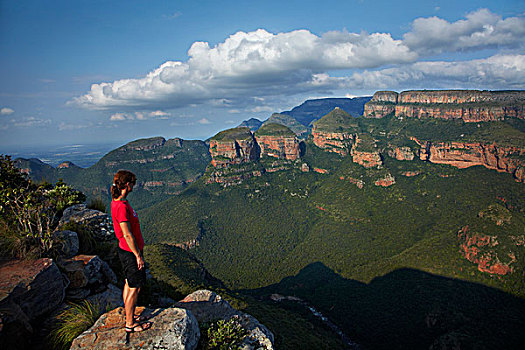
x=31, y=211
x=71, y=322
x=222, y=335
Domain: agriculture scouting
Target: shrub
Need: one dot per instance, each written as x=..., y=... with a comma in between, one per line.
x=31, y=211
x=222, y=335
x=71, y=322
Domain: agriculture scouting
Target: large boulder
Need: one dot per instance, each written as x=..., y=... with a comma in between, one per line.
x=80, y=213
x=171, y=328
x=87, y=274
x=67, y=242
x=208, y=306
x=28, y=290
x=99, y=223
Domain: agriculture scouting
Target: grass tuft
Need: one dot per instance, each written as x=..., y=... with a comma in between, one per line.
x=71, y=322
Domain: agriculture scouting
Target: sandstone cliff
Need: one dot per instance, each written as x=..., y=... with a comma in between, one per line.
x=278, y=141
x=334, y=132
x=469, y=105
x=464, y=154
x=233, y=146
x=365, y=152
x=236, y=153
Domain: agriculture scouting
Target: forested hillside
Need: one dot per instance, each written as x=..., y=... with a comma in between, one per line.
x=356, y=241
x=163, y=168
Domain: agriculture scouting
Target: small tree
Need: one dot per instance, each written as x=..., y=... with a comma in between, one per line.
x=32, y=209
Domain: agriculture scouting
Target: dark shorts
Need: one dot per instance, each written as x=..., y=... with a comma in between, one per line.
x=136, y=278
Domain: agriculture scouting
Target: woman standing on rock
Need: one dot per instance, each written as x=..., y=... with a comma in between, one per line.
x=127, y=228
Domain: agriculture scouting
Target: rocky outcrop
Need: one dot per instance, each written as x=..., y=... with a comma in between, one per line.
x=278, y=141
x=28, y=290
x=335, y=132
x=96, y=221
x=382, y=104
x=468, y=105
x=233, y=146
x=359, y=183
x=410, y=173
x=478, y=249
x=66, y=165
x=236, y=153
x=387, y=180
x=401, y=153
x=465, y=154
x=337, y=142
x=365, y=152
x=207, y=306
x=87, y=274
x=67, y=243
x=172, y=328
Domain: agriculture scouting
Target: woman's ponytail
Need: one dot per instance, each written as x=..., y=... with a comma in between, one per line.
x=121, y=178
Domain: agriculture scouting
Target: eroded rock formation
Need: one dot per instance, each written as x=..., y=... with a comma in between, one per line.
x=278, y=141
x=478, y=248
x=233, y=146
x=469, y=105
x=365, y=152
x=335, y=132
x=465, y=154
x=401, y=153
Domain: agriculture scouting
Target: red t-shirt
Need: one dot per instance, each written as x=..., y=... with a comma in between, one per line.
x=121, y=211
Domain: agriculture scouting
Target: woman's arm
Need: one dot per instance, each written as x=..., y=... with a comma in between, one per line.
x=130, y=240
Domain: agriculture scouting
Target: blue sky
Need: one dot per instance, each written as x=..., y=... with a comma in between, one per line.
x=88, y=71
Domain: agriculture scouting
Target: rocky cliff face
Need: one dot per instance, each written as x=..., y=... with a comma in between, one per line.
x=278, y=141
x=337, y=142
x=236, y=153
x=401, y=153
x=365, y=152
x=335, y=132
x=469, y=105
x=279, y=146
x=479, y=249
x=381, y=104
x=233, y=146
x=464, y=154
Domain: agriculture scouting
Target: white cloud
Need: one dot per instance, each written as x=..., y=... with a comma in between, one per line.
x=119, y=117
x=160, y=114
x=480, y=30
x=250, y=71
x=498, y=72
x=30, y=122
x=273, y=64
x=204, y=121
x=139, y=116
x=6, y=111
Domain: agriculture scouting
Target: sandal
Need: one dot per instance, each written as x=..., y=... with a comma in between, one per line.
x=139, y=327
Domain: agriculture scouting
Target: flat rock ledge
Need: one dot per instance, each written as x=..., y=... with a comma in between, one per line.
x=172, y=328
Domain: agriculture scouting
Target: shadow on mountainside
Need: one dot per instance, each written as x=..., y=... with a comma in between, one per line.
x=410, y=309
